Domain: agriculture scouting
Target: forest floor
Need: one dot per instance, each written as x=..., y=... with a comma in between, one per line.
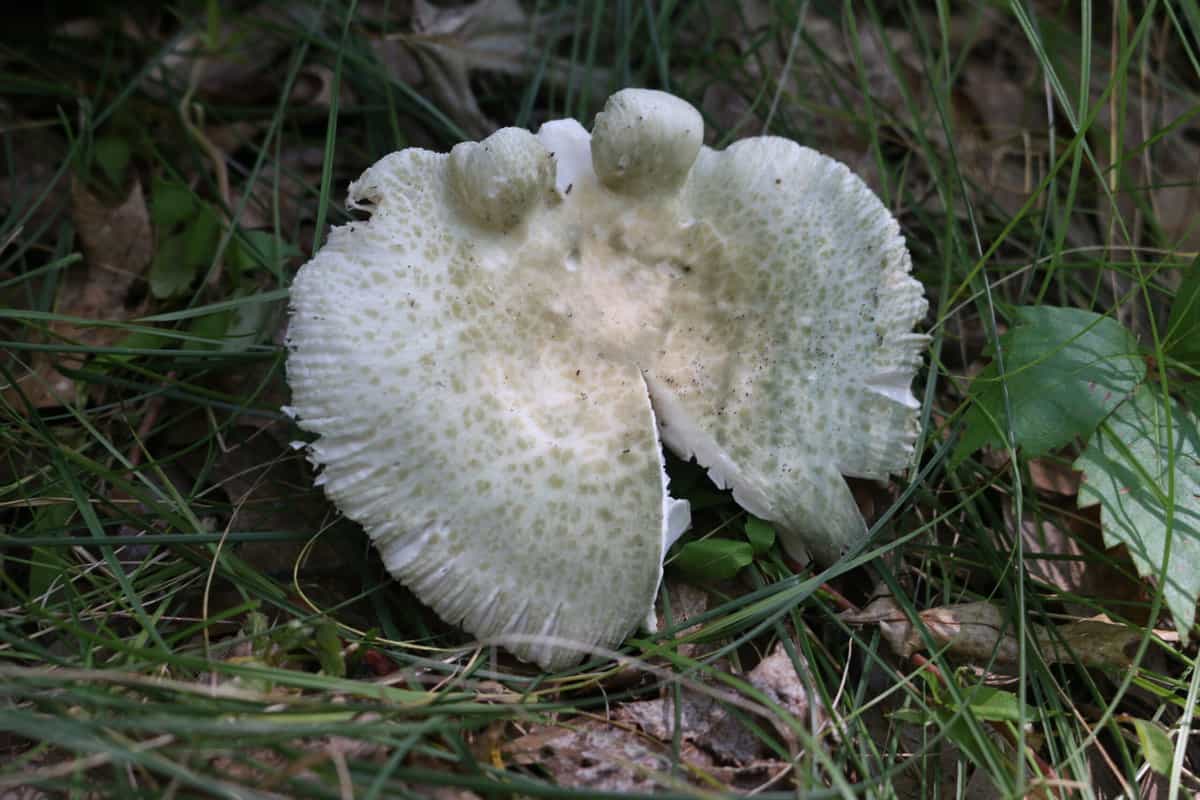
x=184, y=614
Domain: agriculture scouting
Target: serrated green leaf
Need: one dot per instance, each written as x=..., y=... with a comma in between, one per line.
x=1066, y=369
x=713, y=559
x=760, y=534
x=1128, y=467
x=1156, y=745
x=1183, y=328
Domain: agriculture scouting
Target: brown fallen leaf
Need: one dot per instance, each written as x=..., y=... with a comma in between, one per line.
x=1063, y=549
x=117, y=243
x=591, y=754
x=981, y=632
x=704, y=722
x=614, y=756
x=712, y=726
x=1054, y=475
x=230, y=63
x=777, y=677
x=686, y=602
x=447, y=44
x=1052, y=555
x=269, y=490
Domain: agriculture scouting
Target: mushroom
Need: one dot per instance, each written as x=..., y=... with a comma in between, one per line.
x=492, y=362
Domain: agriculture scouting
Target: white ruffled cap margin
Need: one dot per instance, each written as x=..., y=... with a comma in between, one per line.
x=489, y=362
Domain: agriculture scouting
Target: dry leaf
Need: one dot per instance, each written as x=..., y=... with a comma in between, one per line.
x=1054, y=475
x=981, y=633
x=709, y=724
x=777, y=678
x=589, y=754
x=593, y=754
x=686, y=602
x=269, y=491
x=117, y=243
x=446, y=44
x=31, y=161
x=231, y=65
x=283, y=183
x=1053, y=556
x=704, y=722
x=1066, y=551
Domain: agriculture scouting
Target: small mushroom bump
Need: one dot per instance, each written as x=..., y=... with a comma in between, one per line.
x=488, y=363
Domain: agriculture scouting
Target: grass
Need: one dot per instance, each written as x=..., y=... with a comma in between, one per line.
x=181, y=612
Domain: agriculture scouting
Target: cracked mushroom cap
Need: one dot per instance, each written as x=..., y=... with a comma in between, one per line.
x=492, y=363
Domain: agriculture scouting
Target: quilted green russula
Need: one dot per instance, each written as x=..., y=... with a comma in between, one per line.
x=492, y=363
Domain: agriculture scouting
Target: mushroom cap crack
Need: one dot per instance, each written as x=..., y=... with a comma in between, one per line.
x=489, y=362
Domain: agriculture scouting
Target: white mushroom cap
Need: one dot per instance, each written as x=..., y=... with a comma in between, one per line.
x=489, y=360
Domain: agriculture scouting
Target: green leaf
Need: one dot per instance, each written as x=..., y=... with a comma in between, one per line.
x=713, y=559
x=135, y=340
x=171, y=203
x=112, y=155
x=1183, y=327
x=248, y=324
x=170, y=274
x=181, y=257
x=1128, y=467
x=202, y=234
x=261, y=249
x=992, y=704
x=210, y=326
x=1066, y=369
x=1156, y=745
x=46, y=564
x=328, y=647
x=761, y=535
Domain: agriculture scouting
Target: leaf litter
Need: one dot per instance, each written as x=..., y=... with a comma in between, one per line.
x=108, y=286
x=1001, y=158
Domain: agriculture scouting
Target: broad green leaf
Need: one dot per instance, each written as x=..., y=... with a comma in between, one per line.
x=135, y=340
x=1183, y=328
x=1156, y=745
x=328, y=648
x=170, y=274
x=112, y=155
x=248, y=324
x=210, y=326
x=760, y=534
x=202, y=234
x=713, y=559
x=261, y=249
x=171, y=203
x=952, y=723
x=1127, y=468
x=992, y=704
x=1065, y=368
x=182, y=256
